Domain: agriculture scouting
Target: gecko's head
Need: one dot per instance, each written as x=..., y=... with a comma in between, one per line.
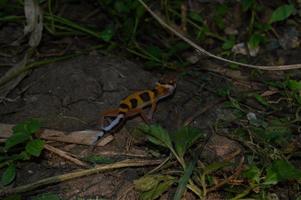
x=168, y=84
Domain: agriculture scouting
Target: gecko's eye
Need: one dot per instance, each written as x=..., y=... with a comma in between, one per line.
x=167, y=81
x=161, y=82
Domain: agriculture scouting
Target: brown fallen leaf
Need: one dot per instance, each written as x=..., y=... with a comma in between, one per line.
x=76, y=137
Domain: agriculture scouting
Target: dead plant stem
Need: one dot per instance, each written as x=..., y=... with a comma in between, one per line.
x=77, y=174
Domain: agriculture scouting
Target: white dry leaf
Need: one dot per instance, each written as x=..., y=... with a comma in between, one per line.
x=34, y=22
x=251, y=116
x=240, y=48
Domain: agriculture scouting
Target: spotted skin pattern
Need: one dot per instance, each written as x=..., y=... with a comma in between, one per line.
x=134, y=104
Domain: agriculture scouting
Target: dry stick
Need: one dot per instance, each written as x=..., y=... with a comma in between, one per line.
x=8, y=76
x=236, y=173
x=129, y=154
x=200, y=50
x=72, y=175
x=65, y=155
x=6, y=89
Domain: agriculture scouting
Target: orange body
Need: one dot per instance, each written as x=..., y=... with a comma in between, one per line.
x=135, y=103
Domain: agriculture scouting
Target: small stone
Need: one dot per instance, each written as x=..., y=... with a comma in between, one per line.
x=290, y=39
x=231, y=31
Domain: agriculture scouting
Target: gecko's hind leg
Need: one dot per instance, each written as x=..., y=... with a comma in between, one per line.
x=107, y=114
x=151, y=112
x=140, y=112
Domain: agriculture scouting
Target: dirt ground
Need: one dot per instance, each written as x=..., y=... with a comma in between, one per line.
x=70, y=95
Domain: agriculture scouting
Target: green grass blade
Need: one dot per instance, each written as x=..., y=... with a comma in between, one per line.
x=184, y=180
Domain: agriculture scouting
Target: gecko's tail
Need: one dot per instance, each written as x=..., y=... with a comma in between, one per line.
x=98, y=136
x=120, y=117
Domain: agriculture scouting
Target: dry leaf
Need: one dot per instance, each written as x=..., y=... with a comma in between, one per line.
x=34, y=20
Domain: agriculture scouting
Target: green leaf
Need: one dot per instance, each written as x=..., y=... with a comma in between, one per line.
x=221, y=9
x=46, y=196
x=228, y=44
x=156, y=141
x=15, y=139
x=201, y=34
x=277, y=131
x=282, y=13
x=234, y=103
x=3, y=3
x=98, y=159
x=247, y=4
x=152, y=64
x=219, y=21
x=21, y=156
x=184, y=180
x=195, y=16
x=158, y=191
x=107, y=34
x=33, y=126
x=262, y=27
x=157, y=135
x=184, y=138
x=140, y=10
x=35, y=147
x=255, y=40
x=122, y=7
x=252, y=173
x=153, y=186
x=298, y=97
x=154, y=51
x=261, y=100
x=29, y=126
x=9, y=174
x=128, y=24
x=178, y=47
x=13, y=197
x=214, y=167
x=294, y=85
x=233, y=66
x=3, y=158
x=147, y=183
x=281, y=170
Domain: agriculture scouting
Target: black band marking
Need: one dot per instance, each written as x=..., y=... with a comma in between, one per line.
x=122, y=112
x=145, y=96
x=124, y=106
x=134, y=103
x=155, y=91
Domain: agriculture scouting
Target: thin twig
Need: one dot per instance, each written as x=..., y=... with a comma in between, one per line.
x=159, y=166
x=237, y=172
x=77, y=174
x=201, y=50
x=128, y=154
x=65, y=155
